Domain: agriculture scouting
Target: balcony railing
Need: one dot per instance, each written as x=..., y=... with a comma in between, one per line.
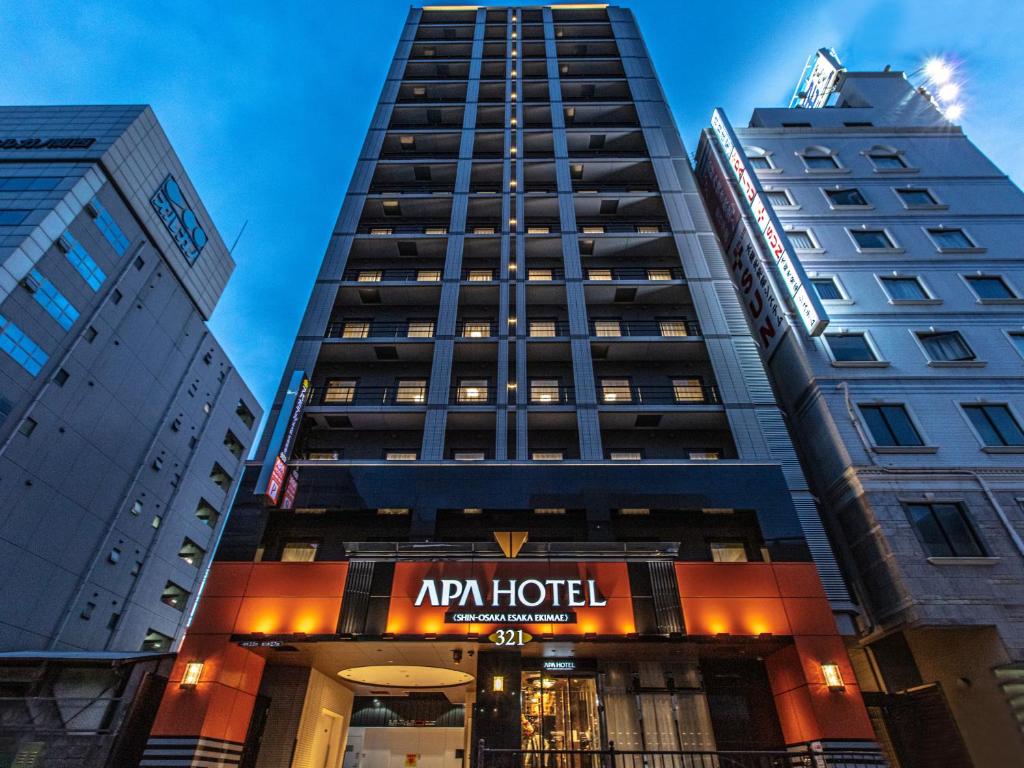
x=392, y=275
x=468, y=393
x=613, y=228
x=667, y=328
x=642, y=394
x=345, y=394
x=547, y=329
x=356, y=330
x=475, y=329
x=541, y=393
x=600, y=274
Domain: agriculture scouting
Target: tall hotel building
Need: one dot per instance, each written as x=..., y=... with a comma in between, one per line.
x=525, y=491
x=123, y=425
x=908, y=410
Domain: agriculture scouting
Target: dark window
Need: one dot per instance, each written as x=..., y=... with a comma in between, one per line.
x=887, y=160
x=946, y=346
x=759, y=161
x=826, y=288
x=950, y=238
x=800, y=239
x=1017, y=339
x=840, y=197
x=890, y=425
x=990, y=287
x=778, y=197
x=995, y=424
x=12, y=217
x=28, y=183
x=944, y=530
x=156, y=641
x=904, y=289
x=916, y=198
x=850, y=347
x=820, y=162
x=174, y=596
x=871, y=239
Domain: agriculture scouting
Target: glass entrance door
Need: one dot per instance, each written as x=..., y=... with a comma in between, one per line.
x=559, y=713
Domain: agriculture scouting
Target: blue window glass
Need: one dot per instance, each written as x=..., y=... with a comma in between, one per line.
x=83, y=262
x=109, y=228
x=29, y=183
x=54, y=302
x=12, y=217
x=21, y=348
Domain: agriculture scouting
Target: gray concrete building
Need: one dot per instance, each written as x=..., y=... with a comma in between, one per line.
x=123, y=424
x=907, y=410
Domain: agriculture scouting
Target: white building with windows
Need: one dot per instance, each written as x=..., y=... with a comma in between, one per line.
x=908, y=410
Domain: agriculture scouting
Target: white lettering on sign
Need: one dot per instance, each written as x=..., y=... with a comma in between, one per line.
x=806, y=304
x=511, y=593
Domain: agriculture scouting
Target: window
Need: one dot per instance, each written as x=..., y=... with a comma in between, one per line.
x=12, y=217
x=945, y=346
x=890, y=425
x=990, y=288
x=369, y=275
x=917, y=198
x=156, y=641
x=845, y=198
x=758, y=158
x=538, y=230
x=827, y=288
x=850, y=347
x=472, y=391
x=174, y=596
x=904, y=289
x=233, y=444
x=954, y=239
x=689, y=390
x=322, y=456
x=544, y=391
x=420, y=329
x=659, y=274
x=53, y=301
x=205, y=512
x=801, y=239
x=819, y=159
x=220, y=478
x=542, y=329
x=872, y=239
x=599, y=274
x=540, y=274
x=547, y=456
x=21, y=348
x=411, y=391
x=479, y=275
x=82, y=261
x=616, y=391
x=885, y=159
x=469, y=456
x=728, y=552
x=246, y=415
x=1017, y=339
x=625, y=455
x=435, y=231
x=673, y=327
x=29, y=183
x=400, y=456
x=483, y=230
x=648, y=229
x=944, y=531
x=299, y=551
x=340, y=391
x=704, y=455
x=110, y=229
x=355, y=329
x=607, y=328
x=428, y=275
x=191, y=552
x=995, y=424
x=593, y=230
x=476, y=329
x=779, y=198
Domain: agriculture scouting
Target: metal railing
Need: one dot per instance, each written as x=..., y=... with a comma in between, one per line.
x=597, y=274
x=802, y=757
x=613, y=228
x=466, y=393
x=668, y=328
x=345, y=395
x=358, y=330
x=610, y=393
x=542, y=394
x=391, y=275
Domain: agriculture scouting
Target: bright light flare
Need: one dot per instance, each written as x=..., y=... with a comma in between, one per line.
x=949, y=91
x=954, y=112
x=938, y=71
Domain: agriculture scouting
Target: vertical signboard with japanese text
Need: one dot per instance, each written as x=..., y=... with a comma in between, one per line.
x=271, y=481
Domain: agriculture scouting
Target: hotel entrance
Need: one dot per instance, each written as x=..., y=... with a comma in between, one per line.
x=559, y=711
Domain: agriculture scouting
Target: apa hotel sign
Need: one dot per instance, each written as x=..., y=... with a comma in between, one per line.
x=543, y=597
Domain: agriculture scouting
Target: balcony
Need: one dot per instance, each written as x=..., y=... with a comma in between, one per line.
x=361, y=330
x=683, y=392
x=392, y=275
x=350, y=341
x=343, y=393
x=668, y=328
x=633, y=274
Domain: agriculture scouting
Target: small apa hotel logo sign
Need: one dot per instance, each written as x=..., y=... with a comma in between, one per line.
x=179, y=219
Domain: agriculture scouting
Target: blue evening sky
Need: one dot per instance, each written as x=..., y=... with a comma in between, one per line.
x=267, y=105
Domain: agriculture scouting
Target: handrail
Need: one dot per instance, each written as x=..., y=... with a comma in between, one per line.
x=671, y=328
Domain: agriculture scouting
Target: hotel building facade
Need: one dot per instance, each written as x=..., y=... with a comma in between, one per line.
x=525, y=492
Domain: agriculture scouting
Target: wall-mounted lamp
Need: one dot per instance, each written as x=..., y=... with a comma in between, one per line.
x=498, y=683
x=833, y=677
x=190, y=678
